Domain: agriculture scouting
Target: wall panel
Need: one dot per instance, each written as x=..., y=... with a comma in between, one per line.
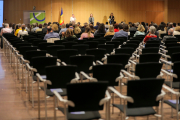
x=173, y=11
x=124, y=10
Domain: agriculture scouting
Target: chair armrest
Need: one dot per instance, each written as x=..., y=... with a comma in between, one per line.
x=132, y=62
x=113, y=53
x=58, y=60
x=99, y=62
x=70, y=103
x=171, y=90
x=160, y=76
x=104, y=58
x=132, y=76
x=165, y=55
x=106, y=99
x=160, y=96
x=120, y=77
x=43, y=80
x=129, y=99
x=26, y=61
x=94, y=63
x=164, y=50
x=75, y=80
x=30, y=68
x=91, y=79
x=136, y=55
x=64, y=63
x=170, y=74
x=163, y=46
x=48, y=55
x=169, y=63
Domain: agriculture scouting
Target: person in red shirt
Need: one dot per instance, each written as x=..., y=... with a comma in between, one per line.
x=116, y=28
x=151, y=34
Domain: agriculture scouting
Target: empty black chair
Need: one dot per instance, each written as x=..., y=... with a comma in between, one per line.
x=133, y=42
x=23, y=50
x=92, y=44
x=153, y=42
x=124, y=51
x=81, y=48
x=59, y=42
x=22, y=44
x=43, y=46
x=144, y=97
x=169, y=39
x=172, y=45
x=132, y=45
x=52, y=49
x=109, y=48
x=100, y=41
x=68, y=45
x=36, y=42
x=34, y=53
x=121, y=40
x=119, y=59
x=80, y=41
x=78, y=94
x=115, y=43
x=109, y=37
x=64, y=55
x=152, y=45
x=178, y=37
x=148, y=70
x=162, y=35
x=83, y=63
x=172, y=50
x=98, y=53
x=149, y=57
x=150, y=50
x=175, y=57
x=30, y=40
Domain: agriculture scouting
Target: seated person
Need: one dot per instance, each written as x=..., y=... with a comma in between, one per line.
x=132, y=28
x=69, y=34
x=170, y=34
x=92, y=28
x=39, y=29
x=140, y=31
x=51, y=34
x=23, y=31
x=101, y=30
x=122, y=31
x=151, y=34
x=111, y=31
x=87, y=34
x=177, y=31
x=116, y=28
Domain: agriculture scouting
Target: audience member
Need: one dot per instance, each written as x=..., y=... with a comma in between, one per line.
x=23, y=31
x=68, y=34
x=55, y=28
x=17, y=30
x=177, y=31
x=122, y=31
x=44, y=30
x=28, y=28
x=101, y=30
x=70, y=25
x=39, y=29
x=77, y=30
x=116, y=28
x=87, y=34
x=92, y=28
x=174, y=26
x=151, y=34
x=170, y=35
x=106, y=25
x=84, y=27
x=51, y=34
x=140, y=31
x=35, y=27
x=161, y=29
x=63, y=28
x=110, y=31
x=132, y=28
x=6, y=29
x=97, y=25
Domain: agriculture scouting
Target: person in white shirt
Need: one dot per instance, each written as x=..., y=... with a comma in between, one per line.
x=6, y=29
x=73, y=19
x=23, y=31
x=177, y=31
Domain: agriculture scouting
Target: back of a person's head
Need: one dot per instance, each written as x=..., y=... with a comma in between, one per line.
x=10, y=24
x=37, y=24
x=177, y=28
x=69, y=32
x=85, y=24
x=101, y=28
x=67, y=25
x=14, y=26
x=45, y=24
x=133, y=25
x=106, y=23
x=40, y=25
x=170, y=31
x=141, y=28
x=178, y=24
x=116, y=26
x=63, y=26
x=152, y=29
x=97, y=23
x=174, y=24
x=49, y=28
x=55, y=27
x=23, y=27
x=125, y=28
x=120, y=26
x=78, y=23
x=143, y=23
x=91, y=26
x=87, y=29
x=19, y=25
x=6, y=25
x=161, y=27
x=147, y=24
x=111, y=28
x=49, y=23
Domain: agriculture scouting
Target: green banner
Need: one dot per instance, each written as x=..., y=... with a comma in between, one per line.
x=37, y=18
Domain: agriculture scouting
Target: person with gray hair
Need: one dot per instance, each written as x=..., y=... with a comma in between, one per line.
x=6, y=29
x=151, y=34
x=170, y=35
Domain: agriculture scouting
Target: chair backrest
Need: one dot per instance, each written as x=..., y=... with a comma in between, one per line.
x=34, y=53
x=152, y=45
x=144, y=92
x=100, y=41
x=83, y=63
x=22, y=44
x=52, y=49
x=148, y=70
x=125, y=51
x=172, y=50
x=107, y=72
x=109, y=37
x=175, y=57
x=60, y=75
x=172, y=45
x=121, y=40
x=149, y=57
x=109, y=48
x=119, y=59
x=59, y=42
x=176, y=70
x=68, y=45
x=43, y=46
x=92, y=44
x=23, y=50
x=33, y=39
x=133, y=42
x=41, y=62
x=153, y=42
x=86, y=96
x=162, y=35
x=36, y=42
x=178, y=37
x=150, y=50
x=64, y=55
x=98, y=53
x=169, y=39
x=81, y=48
x=115, y=43
x=80, y=41
x=132, y=45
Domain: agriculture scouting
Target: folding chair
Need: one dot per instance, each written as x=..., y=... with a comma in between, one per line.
x=43, y=46
x=98, y=53
x=52, y=49
x=92, y=44
x=108, y=47
x=68, y=45
x=81, y=48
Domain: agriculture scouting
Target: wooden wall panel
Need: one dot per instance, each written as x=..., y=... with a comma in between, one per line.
x=173, y=11
x=124, y=10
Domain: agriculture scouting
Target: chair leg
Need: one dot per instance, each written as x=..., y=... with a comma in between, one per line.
x=112, y=103
x=55, y=107
x=162, y=113
x=157, y=111
x=32, y=95
x=177, y=107
x=45, y=101
x=38, y=98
